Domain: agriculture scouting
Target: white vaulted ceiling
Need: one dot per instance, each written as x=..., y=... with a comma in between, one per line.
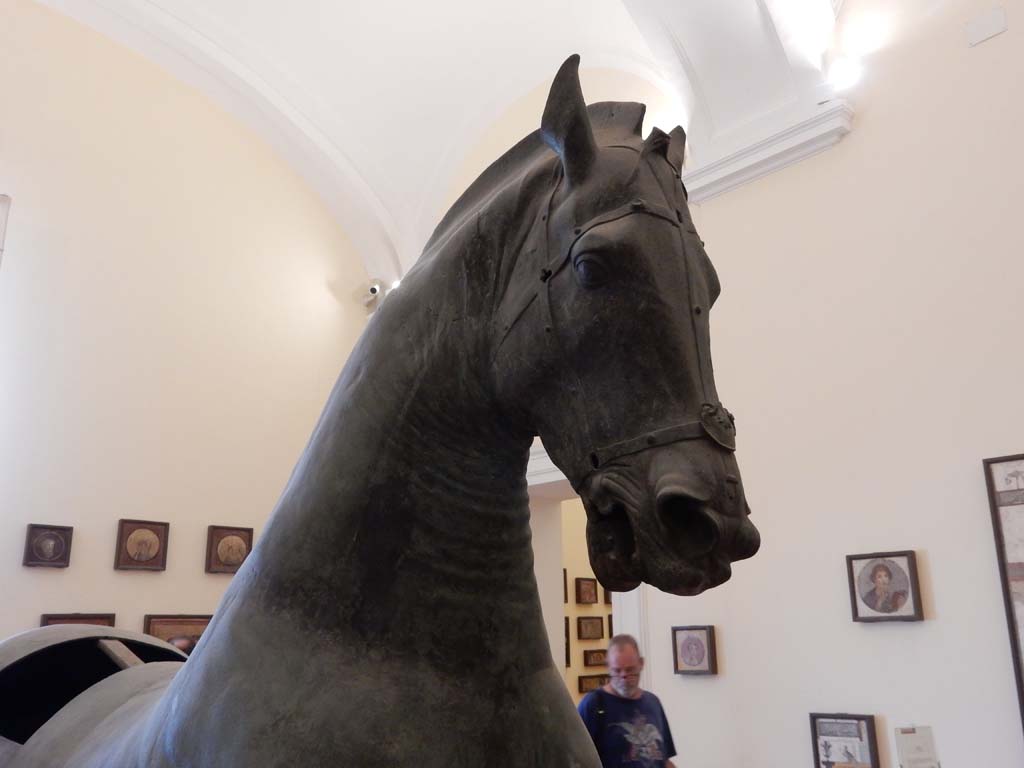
x=376, y=103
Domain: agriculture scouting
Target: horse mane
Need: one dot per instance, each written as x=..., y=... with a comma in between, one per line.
x=613, y=122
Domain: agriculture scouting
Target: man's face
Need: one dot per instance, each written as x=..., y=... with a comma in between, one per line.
x=624, y=667
x=881, y=579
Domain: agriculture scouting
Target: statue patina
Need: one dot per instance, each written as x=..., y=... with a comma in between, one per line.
x=389, y=615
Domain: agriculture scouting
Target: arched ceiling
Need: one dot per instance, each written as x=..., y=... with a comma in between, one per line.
x=376, y=102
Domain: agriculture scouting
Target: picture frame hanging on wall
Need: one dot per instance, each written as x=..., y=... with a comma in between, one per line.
x=589, y=627
x=182, y=630
x=47, y=546
x=1004, y=479
x=844, y=740
x=884, y=586
x=586, y=591
x=99, y=619
x=226, y=548
x=588, y=683
x=141, y=545
x=595, y=657
x=693, y=650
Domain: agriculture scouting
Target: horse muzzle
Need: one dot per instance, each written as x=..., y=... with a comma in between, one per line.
x=674, y=517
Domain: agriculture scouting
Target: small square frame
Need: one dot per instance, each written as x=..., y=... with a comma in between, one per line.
x=903, y=600
x=227, y=546
x=589, y=628
x=100, y=619
x=47, y=546
x=141, y=545
x=693, y=650
x=595, y=657
x=588, y=683
x=586, y=591
x=846, y=731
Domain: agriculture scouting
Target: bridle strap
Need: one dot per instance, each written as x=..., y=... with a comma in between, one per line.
x=715, y=422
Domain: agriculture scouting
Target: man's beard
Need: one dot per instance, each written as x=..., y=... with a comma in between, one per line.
x=623, y=688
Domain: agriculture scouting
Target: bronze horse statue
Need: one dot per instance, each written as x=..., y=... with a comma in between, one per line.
x=389, y=615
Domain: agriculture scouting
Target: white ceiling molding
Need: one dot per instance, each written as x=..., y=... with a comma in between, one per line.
x=541, y=470
x=789, y=146
x=376, y=103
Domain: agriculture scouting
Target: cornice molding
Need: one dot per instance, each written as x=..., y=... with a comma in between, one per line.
x=791, y=145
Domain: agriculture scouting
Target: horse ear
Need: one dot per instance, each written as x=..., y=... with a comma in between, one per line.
x=565, y=126
x=671, y=146
x=677, y=147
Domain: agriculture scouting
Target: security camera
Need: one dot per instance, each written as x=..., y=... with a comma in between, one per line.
x=375, y=289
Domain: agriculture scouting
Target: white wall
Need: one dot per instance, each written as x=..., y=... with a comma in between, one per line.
x=868, y=339
x=175, y=305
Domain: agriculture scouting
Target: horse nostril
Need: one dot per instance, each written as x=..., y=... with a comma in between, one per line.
x=695, y=530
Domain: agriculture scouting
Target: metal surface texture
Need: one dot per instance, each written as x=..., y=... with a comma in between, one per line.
x=389, y=615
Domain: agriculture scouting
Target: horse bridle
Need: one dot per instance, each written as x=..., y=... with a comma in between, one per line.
x=714, y=421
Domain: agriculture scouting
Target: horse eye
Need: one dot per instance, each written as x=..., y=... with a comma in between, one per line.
x=590, y=272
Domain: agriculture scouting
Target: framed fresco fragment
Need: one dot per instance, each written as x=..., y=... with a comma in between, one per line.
x=586, y=591
x=226, y=548
x=100, y=619
x=694, y=650
x=588, y=683
x=180, y=630
x=611, y=632
x=597, y=657
x=607, y=597
x=589, y=628
x=565, y=586
x=1004, y=477
x=47, y=546
x=884, y=586
x=141, y=545
x=844, y=740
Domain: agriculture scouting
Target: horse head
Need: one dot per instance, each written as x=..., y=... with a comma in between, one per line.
x=603, y=348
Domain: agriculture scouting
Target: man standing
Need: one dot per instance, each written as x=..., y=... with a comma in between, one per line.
x=627, y=724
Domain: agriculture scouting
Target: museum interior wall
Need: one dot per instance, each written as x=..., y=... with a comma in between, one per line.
x=175, y=304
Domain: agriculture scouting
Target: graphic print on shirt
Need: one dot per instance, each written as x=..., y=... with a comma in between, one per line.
x=644, y=742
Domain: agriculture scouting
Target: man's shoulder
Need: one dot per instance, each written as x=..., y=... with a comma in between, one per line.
x=590, y=702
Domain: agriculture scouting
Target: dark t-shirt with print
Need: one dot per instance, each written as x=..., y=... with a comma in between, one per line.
x=627, y=732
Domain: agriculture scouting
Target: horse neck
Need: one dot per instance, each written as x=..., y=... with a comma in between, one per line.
x=407, y=515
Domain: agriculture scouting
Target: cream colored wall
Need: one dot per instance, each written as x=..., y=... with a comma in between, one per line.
x=868, y=341
x=577, y=564
x=175, y=304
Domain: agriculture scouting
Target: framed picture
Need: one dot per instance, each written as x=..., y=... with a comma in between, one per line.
x=565, y=586
x=180, y=630
x=1004, y=477
x=226, y=548
x=588, y=683
x=589, y=627
x=844, y=741
x=884, y=586
x=47, y=546
x=607, y=597
x=586, y=591
x=597, y=657
x=611, y=632
x=693, y=649
x=102, y=619
x=141, y=545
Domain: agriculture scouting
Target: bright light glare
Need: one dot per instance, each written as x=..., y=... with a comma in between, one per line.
x=395, y=284
x=865, y=33
x=804, y=26
x=844, y=73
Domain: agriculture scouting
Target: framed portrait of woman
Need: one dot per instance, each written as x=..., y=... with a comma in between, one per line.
x=884, y=586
